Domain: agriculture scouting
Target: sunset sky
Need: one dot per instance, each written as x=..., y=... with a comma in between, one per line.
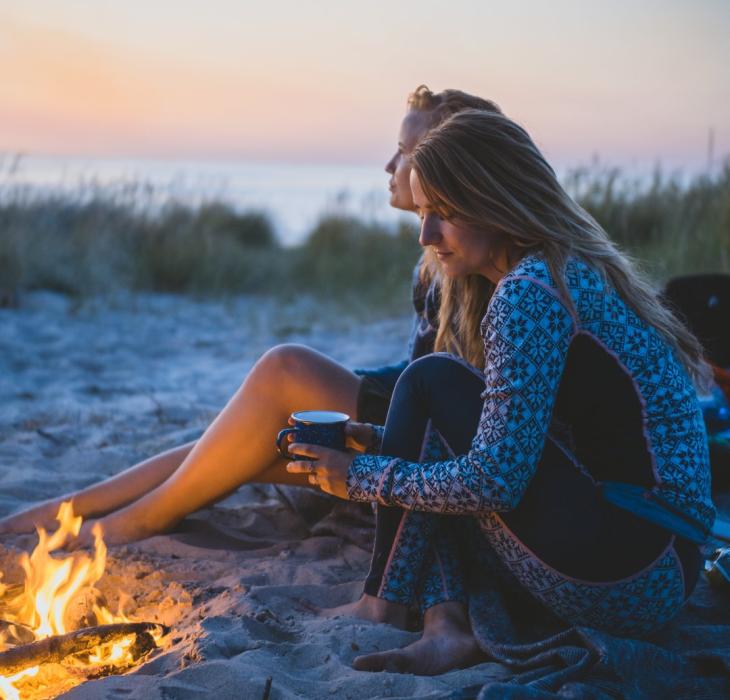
x=323, y=81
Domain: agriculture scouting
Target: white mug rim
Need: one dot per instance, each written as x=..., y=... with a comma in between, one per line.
x=341, y=417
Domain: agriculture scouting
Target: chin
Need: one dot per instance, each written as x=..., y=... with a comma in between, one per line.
x=453, y=272
x=397, y=203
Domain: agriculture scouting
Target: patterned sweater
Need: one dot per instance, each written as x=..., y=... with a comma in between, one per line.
x=596, y=378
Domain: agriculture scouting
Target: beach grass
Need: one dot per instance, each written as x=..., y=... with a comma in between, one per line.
x=97, y=241
x=671, y=225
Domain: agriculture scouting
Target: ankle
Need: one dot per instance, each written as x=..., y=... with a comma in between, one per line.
x=449, y=616
x=120, y=525
x=384, y=610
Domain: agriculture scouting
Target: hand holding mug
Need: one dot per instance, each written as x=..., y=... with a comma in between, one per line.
x=358, y=436
x=323, y=466
x=326, y=428
x=317, y=447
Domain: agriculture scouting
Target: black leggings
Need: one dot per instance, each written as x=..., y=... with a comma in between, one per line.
x=562, y=516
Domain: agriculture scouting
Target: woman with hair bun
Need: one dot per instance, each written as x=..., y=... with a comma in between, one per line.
x=561, y=397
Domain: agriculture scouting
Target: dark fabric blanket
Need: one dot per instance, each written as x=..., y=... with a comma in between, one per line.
x=688, y=658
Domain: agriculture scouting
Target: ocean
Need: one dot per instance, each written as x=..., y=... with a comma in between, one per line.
x=294, y=196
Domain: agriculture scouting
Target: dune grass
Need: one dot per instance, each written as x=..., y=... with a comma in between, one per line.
x=98, y=241
x=671, y=226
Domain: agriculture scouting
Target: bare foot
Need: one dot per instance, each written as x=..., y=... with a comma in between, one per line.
x=369, y=607
x=85, y=538
x=41, y=515
x=115, y=528
x=447, y=643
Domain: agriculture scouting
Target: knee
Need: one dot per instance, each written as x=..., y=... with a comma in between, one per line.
x=285, y=361
x=427, y=369
x=435, y=374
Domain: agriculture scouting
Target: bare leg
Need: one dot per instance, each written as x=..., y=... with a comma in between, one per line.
x=238, y=447
x=104, y=497
x=447, y=643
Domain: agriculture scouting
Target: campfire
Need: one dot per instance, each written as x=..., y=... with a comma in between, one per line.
x=56, y=629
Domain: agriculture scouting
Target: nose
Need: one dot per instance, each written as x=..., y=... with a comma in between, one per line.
x=391, y=164
x=430, y=230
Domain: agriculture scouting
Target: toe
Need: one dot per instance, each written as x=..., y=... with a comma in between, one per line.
x=382, y=661
x=368, y=662
x=393, y=661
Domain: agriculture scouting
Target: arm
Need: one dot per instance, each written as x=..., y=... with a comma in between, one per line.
x=527, y=332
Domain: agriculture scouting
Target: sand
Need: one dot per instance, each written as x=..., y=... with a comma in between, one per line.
x=88, y=389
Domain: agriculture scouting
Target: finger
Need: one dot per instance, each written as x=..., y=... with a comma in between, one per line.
x=358, y=430
x=355, y=446
x=313, y=451
x=360, y=440
x=290, y=420
x=312, y=479
x=300, y=467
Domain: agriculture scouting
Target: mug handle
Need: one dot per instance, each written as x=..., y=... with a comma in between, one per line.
x=282, y=451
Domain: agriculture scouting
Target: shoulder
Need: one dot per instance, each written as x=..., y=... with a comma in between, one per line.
x=527, y=301
x=533, y=266
x=578, y=274
x=582, y=277
x=529, y=283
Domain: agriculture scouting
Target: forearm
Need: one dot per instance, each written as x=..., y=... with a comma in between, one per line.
x=466, y=484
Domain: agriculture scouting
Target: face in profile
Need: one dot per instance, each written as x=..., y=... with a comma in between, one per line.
x=413, y=128
x=460, y=248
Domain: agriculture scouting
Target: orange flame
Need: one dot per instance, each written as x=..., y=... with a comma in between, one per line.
x=51, y=584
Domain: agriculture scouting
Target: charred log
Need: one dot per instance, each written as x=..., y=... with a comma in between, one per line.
x=56, y=649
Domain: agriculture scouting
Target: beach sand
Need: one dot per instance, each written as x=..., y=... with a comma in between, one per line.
x=88, y=389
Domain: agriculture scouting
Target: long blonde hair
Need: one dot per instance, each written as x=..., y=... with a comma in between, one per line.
x=437, y=107
x=484, y=169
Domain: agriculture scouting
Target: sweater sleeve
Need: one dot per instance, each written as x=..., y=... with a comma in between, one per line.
x=527, y=332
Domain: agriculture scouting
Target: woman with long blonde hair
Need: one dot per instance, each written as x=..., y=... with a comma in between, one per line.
x=563, y=399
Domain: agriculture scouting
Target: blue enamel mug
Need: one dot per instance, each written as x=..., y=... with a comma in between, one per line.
x=326, y=428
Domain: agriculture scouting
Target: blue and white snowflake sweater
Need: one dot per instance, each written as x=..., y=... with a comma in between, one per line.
x=530, y=336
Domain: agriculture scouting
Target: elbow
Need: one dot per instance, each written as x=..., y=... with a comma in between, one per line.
x=500, y=499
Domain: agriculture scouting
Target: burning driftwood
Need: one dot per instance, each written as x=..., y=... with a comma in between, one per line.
x=16, y=631
x=58, y=648
x=56, y=622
